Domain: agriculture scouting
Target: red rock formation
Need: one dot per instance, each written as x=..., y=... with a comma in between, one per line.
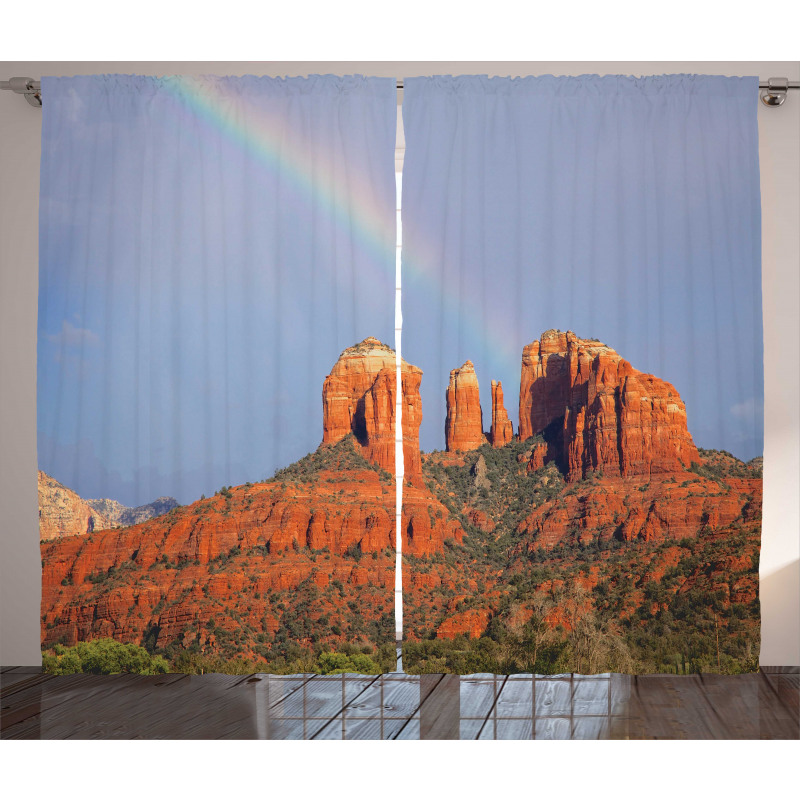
x=538, y=456
x=600, y=413
x=411, y=377
x=330, y=520
x=480, y=519
x=359, y=397
x=544, y=383
x=640, y=510
x=464, y=422
x=471, y=623
x=64, y=513
x=427, y=524
x=502, y=429
x=315, y=544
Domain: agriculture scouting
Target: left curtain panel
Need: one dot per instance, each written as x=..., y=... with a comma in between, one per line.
x=217, y=255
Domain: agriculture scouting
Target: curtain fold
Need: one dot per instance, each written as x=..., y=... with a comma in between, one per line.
x=212, y=249
x=582, y=291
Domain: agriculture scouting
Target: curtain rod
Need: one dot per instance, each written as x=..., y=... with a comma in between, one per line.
x=774, y=90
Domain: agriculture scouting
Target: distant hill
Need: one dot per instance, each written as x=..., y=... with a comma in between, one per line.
x=63, y=512
x=119, y=514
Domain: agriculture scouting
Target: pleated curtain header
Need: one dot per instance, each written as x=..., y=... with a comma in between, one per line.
x=588, y=86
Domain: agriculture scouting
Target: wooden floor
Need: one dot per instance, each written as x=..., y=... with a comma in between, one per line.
x=764, y=705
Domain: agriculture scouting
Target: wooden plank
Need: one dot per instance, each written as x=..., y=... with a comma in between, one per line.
x=779, y=706
x=440, y=711
x=763, y=705
x=553, y=698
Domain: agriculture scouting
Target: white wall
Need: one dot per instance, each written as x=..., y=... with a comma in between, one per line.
x=20, y=127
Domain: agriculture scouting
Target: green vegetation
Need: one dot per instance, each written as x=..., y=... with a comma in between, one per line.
x=341, y=456
x=363, y=659
x=102, y=657
x=338, y=663
x=634, y=623
x=720, y=464
x=514, y=492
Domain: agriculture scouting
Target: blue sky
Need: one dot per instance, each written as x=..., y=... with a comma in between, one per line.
x=203, y=266
x=200, y=274
x=626, y=211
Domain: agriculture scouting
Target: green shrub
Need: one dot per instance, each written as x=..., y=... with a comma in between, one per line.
x=102, y=657
x=338, y=663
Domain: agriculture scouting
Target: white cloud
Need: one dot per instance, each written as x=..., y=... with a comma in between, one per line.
x=749, y=408
x=72, y=336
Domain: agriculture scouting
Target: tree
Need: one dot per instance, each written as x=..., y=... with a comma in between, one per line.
x=537, y=631
x=594, y=646
x=103, y=657
x=338, y=663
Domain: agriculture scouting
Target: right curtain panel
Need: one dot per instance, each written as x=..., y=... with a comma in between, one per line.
x=581, y=288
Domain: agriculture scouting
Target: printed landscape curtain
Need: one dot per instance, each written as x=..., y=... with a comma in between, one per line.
x=217, y=255
x=581, y=292
x=580, y=261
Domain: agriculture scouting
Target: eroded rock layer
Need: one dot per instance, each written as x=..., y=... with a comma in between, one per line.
x=328, y=521
x=600, y=413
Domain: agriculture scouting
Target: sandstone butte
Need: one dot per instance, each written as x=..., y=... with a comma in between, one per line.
x=502, y=429
x=464, y=420
x=64, y=513
x=359, y=397
x=598, y=413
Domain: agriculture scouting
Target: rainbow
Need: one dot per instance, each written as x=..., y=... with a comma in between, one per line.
x=282, y=148
x=500, y=342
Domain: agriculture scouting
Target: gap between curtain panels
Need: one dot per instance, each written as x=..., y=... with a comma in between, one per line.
x=399, y=466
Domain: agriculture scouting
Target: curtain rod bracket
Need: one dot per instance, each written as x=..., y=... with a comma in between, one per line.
x=28, y=87
x=775, y=92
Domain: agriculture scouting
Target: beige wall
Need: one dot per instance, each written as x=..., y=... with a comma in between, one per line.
x=20, y=126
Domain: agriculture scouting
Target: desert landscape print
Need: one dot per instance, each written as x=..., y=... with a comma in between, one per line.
x=597, y=537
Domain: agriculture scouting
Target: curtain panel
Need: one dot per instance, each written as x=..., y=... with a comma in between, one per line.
x=582, y=293
x=217, y=256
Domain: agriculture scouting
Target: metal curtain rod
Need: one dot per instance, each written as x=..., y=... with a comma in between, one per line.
x=773, y=92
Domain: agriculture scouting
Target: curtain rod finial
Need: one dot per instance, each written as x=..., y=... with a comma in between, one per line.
x=31, y=89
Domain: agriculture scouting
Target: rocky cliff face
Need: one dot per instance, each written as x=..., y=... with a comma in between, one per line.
x=359, y=397
x=464, y=421
x=64, y=513
x=502, y=429
x=598, y=413
x=640, y=509
x=118, y=514
x=658, y=543
x=245, y=556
